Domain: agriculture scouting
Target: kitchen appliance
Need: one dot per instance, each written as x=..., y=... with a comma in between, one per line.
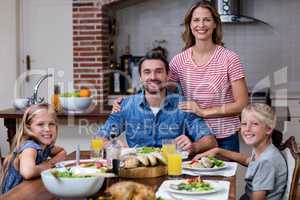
x=230, y=12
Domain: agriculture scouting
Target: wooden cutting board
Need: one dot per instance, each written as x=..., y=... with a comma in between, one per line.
x=144, y=172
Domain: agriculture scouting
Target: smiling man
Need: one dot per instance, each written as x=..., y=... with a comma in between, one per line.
x=153, y=115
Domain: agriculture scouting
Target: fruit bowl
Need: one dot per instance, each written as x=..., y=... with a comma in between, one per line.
x=75, y=103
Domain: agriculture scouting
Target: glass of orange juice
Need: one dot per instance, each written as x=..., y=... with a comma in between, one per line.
x=97, y=144
x=168, y=147
x=174, y=164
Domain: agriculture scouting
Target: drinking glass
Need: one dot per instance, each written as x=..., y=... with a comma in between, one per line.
x=97, y=144
x=174, y=164
x=112, y=153
x=168, y=147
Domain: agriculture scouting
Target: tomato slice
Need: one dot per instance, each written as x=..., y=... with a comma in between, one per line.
x=98, y=165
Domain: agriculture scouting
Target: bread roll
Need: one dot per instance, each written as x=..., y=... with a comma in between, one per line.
x=160, y=158
x=143, y=159
x=131, y=162
x=152, y=160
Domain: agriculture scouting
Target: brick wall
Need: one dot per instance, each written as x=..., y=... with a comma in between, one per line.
x=91, y=46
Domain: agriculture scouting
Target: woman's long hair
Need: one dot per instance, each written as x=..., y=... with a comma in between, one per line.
x=188, y=37
x=24, y=133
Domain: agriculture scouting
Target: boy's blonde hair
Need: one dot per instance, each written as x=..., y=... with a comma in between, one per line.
x=264, y=113
x=24, y=133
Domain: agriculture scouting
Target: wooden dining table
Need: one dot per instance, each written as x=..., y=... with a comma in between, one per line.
x=35, y=190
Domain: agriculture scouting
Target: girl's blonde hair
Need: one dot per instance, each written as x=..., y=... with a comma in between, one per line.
x=188, y=37
x=264, y=113
x=24, y=133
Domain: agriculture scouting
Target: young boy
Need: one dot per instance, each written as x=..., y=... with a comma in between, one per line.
x=266, y=175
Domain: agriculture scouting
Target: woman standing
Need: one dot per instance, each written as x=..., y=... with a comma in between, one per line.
x=211, y=76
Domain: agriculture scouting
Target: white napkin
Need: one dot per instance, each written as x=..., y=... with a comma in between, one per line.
x=222, y=194
x=230, y=170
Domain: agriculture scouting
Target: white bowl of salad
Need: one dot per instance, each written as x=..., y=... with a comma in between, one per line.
x=74, y=182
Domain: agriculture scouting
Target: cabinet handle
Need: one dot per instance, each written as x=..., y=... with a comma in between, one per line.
x=28, y=66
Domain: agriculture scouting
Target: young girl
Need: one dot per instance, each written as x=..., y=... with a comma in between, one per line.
x=266, y=175
x=32, y=146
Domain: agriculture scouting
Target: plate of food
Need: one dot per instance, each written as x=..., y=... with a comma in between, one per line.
x=205, y=164
x=193, y=186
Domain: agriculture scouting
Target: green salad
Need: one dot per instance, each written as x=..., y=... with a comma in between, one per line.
x=67, y=174
x=145, y=150
x=194, y=185
x=215, y=162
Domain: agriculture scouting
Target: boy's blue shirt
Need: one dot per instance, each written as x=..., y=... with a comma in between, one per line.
x=143, y=128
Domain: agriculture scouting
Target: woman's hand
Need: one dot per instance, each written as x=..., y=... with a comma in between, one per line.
x=191, y=106
x=212, y=152
x=117, y=105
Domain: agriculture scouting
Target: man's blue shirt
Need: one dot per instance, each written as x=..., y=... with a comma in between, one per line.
x=143, y=128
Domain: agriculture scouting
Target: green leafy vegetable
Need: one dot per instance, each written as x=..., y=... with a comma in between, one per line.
x=215, y=162
x=195, y=186
x=146, y=150
x=67, y=174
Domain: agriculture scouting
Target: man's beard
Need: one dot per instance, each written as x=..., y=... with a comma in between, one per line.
x=157, y=90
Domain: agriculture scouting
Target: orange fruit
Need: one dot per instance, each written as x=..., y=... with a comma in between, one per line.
x=84, y=92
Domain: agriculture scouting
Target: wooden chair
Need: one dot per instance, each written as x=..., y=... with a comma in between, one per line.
x=289, y=150
x=277, y=137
